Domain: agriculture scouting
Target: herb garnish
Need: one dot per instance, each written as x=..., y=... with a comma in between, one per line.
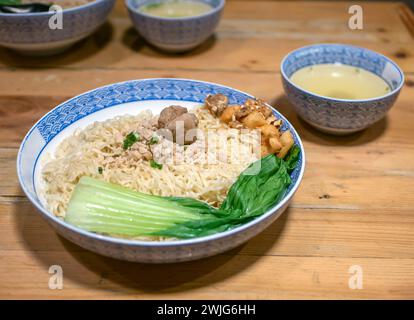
x=100, y=170
x=153, y=140
x=155, y=164
x=130, y=139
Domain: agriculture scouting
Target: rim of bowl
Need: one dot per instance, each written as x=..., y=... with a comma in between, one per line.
x=398, y=88
x=169, y=243
x=211, y=12
x=39, y=14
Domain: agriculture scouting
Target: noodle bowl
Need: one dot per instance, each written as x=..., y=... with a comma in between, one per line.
x=64, y=134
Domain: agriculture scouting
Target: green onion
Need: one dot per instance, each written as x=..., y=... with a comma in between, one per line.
x=153, y=140
x=107, y=208
x=155, y=164
x=130, y=139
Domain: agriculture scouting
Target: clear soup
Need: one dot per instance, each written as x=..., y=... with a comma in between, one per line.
x=340, y=81
x=176, y=8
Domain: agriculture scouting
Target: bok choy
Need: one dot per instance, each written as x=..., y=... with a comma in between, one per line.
x=107, y=208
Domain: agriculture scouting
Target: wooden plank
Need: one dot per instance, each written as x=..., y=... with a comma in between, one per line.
x=9, y=186
x=88, y=276
x=407, y=17
x=251, y=36
x=18, y=113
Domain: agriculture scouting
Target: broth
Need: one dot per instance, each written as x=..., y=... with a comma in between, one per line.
x=176, y=8
x=340, y=81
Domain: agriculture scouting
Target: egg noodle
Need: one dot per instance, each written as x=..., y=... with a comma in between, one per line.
x=203, y=170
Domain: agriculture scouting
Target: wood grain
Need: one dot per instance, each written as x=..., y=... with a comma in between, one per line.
x=354, y=207
x=407, y=17
x=222, y=277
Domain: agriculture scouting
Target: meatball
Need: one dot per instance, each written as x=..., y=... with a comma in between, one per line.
x=180, y=127
x=169, y=114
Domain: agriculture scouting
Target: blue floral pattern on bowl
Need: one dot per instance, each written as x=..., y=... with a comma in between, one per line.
x=88, y=104
x=175, y=34
x=340, y=116
x=31, y=31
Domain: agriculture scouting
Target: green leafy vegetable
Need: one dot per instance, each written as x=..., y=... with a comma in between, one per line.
x=103, y=207
x=100, y=170
x=107, y=208
x=254, y=194
x=153, y=140
x=292, y=158
x=10, y=2
x=155, y=164
x=130, y=139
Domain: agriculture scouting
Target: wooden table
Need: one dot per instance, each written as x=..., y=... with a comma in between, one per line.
x=355, y=205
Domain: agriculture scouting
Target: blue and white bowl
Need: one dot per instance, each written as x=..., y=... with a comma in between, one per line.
x=340, y=116
x=175, y=34
x=31, y=34
x=132, y=97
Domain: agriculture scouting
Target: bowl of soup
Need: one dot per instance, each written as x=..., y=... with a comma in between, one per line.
x=175, y=25
x=340, y=89
x=43, y=27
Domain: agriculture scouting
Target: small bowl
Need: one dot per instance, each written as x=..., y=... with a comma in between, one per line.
x=175, y=34
x=132, y=97
x=30, y=33
x=340, y=116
